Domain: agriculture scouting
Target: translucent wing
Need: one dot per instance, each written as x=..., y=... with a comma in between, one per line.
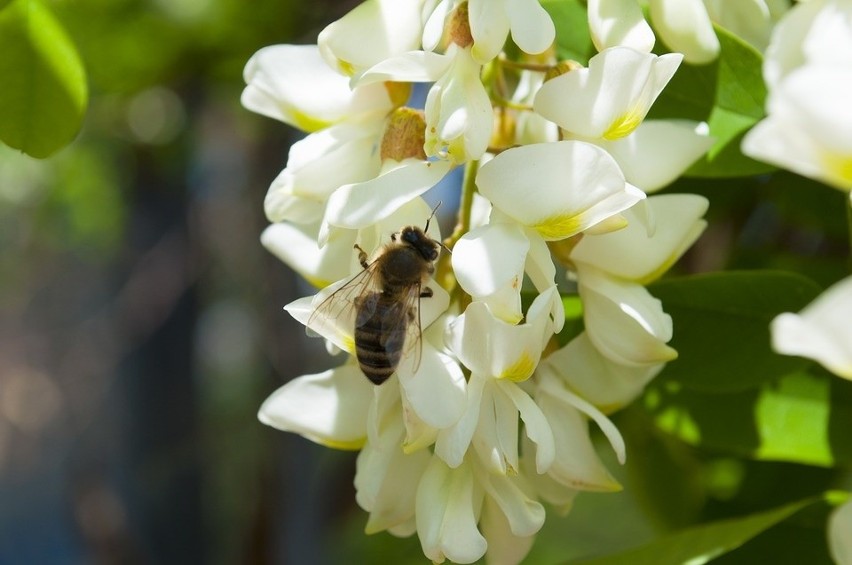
x=413, y=331
x=334, y=307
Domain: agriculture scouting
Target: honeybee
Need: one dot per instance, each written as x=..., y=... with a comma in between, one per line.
x=386, y=300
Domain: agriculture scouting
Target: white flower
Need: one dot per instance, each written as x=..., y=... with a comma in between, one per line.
x=685, y=27
x=458, y=110
x=557, y=189
x=625, y=323
x=749, y=19
x=821, y=331
x=610, y=98
x=491, y=20
x=292, y=84
x=818, y=32
x=839, y=538
x=807, y=126
x=372, y=32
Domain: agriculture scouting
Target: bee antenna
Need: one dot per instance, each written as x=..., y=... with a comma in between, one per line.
x=435, y=209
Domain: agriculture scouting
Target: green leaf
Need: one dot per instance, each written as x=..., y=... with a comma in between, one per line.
x=729, y=94
x=43, y=98
x=4, y=3
x=721, y=327
x=801, y=418
x=702, y=543
x=573, y=41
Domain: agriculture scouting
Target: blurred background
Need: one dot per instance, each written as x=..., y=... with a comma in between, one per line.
x=141, y=323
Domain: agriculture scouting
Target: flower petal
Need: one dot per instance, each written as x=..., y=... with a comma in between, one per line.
x=685, y=27
x=532, y=28
x=393, y=26
x=611, y=97
x=504, y=547
x=524, y=515
x=536, y=425
x=632, y=254
x=619, y=22
x=436, y=390
x=821, y=331
x=362, y=204
x=329, y=408
x=839, y=540
x=452, y=442
x=606, y=384
x=296, y=246
x=447, y=509
x=659, y=151
x=291, y=83
x=489, y=258
x=415, y=66
x=559, y=189
x=624, y=321
x=489, y=26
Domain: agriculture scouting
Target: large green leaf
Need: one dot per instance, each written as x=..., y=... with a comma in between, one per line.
x=802, y=418
x=721, y=327
x=728, y=94
x=573, y=41
x=43, y=98
x=702, y=543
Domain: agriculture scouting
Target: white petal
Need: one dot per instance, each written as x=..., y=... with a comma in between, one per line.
x=806, y=130
x=822, y=331
x=536, y=425
x=453, y=442
x=619, y=22
x=558, y=189
x=434, y=28
x=685, y=27
x=524, y=515
x=437, y=390
x=748, y=19
x=840, y=534
x=319, y=164
x=291, y=83
x=607, y=385
x=297, y=247
x=658, y=151
x=504, y=547
x=329, y=408
x=624, y=321
x=362, y=204
x=576, y=465
x=611, y=97
x=489, y=26
x=532, y=29
x=632, y=254
x=447, y=507
x=489, y=258
x=416, y=66
x=392, y=26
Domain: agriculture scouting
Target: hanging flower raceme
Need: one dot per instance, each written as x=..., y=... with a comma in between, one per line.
x=478, y=418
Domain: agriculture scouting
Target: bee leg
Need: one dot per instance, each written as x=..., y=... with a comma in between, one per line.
x=426, y=292
x=362, y=256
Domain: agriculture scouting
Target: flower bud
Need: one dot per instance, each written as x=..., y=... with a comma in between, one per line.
x=404, y=135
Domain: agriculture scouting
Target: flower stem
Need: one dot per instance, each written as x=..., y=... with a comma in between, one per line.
x=466, y=204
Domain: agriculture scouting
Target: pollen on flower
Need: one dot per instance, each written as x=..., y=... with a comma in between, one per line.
x=520, y=370
x=404, y=136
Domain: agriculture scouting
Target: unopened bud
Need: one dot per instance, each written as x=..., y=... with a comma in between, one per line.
x=404, y=135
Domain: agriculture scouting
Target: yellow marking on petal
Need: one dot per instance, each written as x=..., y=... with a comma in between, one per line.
x=348, y=344
x=308, y=123
x=521, y=370
x=839, y=169
x=558, y=227
x=353, y=445
x=316, y=282
x=345, y=67
x=623, y=125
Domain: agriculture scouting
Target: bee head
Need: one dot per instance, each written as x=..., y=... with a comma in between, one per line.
x=417, y=238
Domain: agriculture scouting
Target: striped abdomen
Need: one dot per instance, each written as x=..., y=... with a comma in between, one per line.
x=380, y=327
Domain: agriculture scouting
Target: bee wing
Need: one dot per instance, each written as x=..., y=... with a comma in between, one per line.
x=413, y=334
x=333, y=315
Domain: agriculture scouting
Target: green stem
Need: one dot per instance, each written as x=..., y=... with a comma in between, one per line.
x=466, y=205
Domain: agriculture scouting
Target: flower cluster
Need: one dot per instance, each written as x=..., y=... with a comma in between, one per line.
x=487, y=416
x=808, y=130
